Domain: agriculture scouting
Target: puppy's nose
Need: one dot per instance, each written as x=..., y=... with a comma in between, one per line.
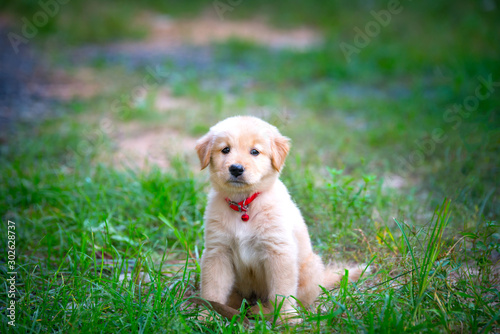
x=236, y=170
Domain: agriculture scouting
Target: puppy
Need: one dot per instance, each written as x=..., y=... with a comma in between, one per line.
x=257, y=246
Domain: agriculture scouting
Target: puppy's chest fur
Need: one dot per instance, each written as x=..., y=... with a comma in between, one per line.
x=248, y=242
x=253, y=246
x=249, y=251
x=246, y=245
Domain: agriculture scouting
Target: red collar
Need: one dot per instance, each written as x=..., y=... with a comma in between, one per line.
x=242, y=206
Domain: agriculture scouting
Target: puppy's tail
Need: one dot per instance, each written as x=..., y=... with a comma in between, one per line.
x=334, y=273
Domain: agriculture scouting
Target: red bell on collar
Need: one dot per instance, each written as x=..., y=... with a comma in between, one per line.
x=242, y=206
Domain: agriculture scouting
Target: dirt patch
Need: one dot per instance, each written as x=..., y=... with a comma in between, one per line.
x=142, y=146
x=165, y=32
x=165, y=101
x=84, y=83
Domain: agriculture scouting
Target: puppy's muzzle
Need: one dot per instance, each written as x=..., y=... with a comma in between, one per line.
x=236, y=170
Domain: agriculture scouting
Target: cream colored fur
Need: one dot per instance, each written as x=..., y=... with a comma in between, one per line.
x=270, y=256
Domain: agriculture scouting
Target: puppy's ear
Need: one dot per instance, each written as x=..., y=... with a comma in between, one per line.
x=204, y=149
x=279, y=150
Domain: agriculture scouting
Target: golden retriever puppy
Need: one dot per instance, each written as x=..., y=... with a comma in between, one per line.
x=257, y=246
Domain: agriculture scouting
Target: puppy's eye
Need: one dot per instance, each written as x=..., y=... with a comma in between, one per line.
x=225, y=150
x=254, y=152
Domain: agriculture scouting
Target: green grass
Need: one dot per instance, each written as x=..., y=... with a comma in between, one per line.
x=83, y=223
x=145, y=221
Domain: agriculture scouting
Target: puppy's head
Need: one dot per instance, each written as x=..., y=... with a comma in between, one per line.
x=245, y=154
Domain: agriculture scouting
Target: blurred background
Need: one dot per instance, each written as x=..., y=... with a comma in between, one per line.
x=392, y=106
x=386, y=86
